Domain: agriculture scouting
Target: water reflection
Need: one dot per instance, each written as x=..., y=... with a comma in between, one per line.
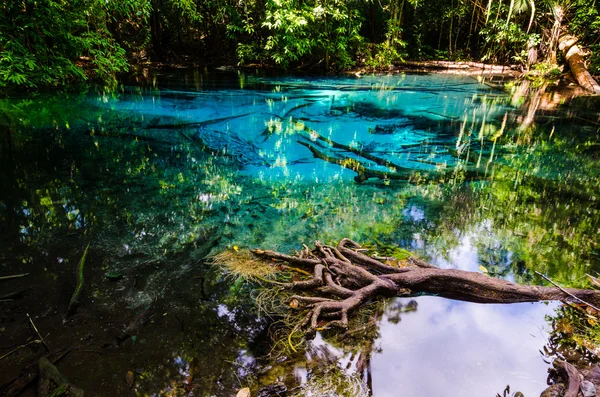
x=458, y=348
x=158, y=178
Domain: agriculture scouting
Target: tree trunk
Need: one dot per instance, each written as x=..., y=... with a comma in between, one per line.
x=572, y=53
x=344, y=278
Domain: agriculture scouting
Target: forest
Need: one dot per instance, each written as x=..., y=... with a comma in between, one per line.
x=300, y=198
x=55, y=43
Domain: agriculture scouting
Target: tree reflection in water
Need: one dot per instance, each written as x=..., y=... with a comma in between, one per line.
x=138, y=177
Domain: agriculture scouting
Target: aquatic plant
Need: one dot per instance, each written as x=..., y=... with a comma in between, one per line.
x=74, y=303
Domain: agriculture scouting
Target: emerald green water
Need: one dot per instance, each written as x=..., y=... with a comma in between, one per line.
x=181, y=165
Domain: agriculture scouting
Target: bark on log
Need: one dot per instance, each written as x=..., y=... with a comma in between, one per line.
x=573, y=54
x=344, y=278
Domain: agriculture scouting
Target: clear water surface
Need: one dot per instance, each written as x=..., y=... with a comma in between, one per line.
x=182, y=164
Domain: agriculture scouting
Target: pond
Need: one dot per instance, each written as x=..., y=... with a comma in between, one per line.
x=180, y=165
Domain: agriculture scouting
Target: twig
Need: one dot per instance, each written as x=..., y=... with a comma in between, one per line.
x=37, y=332
x=13, y=276
x=181, y=322
x=567, y=292
x=13, y=295
x=20, y=347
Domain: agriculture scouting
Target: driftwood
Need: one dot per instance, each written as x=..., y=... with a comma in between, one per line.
x=358, y=152
x=3, y=278
x=363, y=173
x=573, y=54
x=344, y=278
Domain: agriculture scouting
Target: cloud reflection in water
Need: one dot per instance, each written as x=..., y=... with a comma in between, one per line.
x=450, y=348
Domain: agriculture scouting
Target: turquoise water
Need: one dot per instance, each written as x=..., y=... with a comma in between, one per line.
x=182, y=164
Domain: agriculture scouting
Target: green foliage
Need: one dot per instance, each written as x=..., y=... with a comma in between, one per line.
x=386, y=55
x=543, y=73
x=504, y=40
x=58, y=42
x=313, y=31
x=585, y=22
x=247, y=53
x=594, y=67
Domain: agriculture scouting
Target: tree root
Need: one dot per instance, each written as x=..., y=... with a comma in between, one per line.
x=343, y=278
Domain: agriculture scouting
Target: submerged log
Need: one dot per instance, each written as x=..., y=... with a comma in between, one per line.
x=53, y=383
x=573, y=54
x=343, y=278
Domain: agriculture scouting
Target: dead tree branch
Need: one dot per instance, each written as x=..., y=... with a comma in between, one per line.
x=344, y=278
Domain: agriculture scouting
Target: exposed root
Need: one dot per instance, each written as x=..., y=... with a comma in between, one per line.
x=345, y=278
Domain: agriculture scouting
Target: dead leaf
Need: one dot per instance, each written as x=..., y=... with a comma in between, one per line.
x=294, y=303
x=245, y=392
x=129, y=378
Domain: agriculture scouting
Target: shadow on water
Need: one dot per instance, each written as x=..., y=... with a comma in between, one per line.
x=159, y=176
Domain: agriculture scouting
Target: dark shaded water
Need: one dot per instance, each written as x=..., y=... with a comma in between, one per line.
x=165, y=172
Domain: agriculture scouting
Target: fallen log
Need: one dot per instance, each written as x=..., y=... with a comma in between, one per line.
x=344, y=277
x=568, y=45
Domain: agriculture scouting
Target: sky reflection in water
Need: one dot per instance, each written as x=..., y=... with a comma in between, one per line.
x=127, y=179
x=450, y=348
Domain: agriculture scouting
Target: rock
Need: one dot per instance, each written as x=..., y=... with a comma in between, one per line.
x=556, y=390
x=275, y=389
x=588, y=389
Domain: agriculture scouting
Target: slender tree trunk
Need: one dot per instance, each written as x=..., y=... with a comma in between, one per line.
x=399, y=24
x=156, y=33
x=558, y=13
x=450, y=32
x=471, y=25
x=457, y=35
x=372, y=19
x=392, y=25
